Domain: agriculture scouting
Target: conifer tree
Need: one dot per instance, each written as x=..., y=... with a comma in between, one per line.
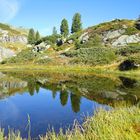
x=64, y=28
x=76, y=23
x=31, y=36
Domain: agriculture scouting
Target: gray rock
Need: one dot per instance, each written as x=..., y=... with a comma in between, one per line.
x=60, y=41
x=112, y=34
x=13, y=39
x=70, y=41
x=126, y=39
x=41, y=47
x=17, y=38
x=84, y=37
x=5, y=53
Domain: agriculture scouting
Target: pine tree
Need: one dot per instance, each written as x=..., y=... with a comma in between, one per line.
x=37, y=36
x=76, y=23
x=54, y=31
x=31, y=36
x=64, y=28
x=138, y=23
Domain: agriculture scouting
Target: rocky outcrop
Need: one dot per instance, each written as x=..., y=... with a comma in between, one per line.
x=5, y=53
x=5, y=37
x=60, y=41
x=13, y=39
x=126, y=39
x=84, y=37
x=112, y=34
x=41, y=47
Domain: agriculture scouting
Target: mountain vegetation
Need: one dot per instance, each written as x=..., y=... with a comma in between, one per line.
x=115, y=42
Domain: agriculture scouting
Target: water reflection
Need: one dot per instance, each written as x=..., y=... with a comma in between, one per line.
x=127, y=82
x=58, y=99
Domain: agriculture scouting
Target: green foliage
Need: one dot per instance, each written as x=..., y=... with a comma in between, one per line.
x=75, y=36
x=8, y=28
x=54, y=31
x=49, y=39
x=135, y=58
x=131, y=31
x=37, y=36
x=128, y=50
x=76, y=23
x=25, y=56
x=31, y=36
x=64, y=28
x=111, y=26
x=92, y=56
x=137, y=24
x=44, y=61
x=94, y=41
x=118, y=124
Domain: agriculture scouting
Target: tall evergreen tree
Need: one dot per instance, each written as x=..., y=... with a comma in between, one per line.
x=76, y=23
x=64, y=28
x=31, y=36
x=54, y=31
x=138, y=23
x=37, y=36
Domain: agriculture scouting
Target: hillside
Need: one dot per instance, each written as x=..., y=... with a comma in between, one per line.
x=12, y=40
x=116, y=42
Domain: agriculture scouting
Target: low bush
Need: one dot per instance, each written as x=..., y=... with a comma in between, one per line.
x=131, y=31
x=94, y=41
x=92, y=56
x=131, y=49
x=24, y=56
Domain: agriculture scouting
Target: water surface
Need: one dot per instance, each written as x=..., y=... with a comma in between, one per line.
x=56, y=100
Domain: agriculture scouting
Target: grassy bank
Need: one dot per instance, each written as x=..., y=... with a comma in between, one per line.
x=117, y=124
x=106, y=69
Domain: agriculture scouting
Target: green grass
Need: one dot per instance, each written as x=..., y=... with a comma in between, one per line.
x=116, y=124
x=12, y=30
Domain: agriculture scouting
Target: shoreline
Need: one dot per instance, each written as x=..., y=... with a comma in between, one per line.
x=69, y=69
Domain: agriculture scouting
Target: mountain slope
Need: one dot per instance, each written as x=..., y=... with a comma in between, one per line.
x=108, y=43
x=12, y=40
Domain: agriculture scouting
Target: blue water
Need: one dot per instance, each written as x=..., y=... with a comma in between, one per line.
x=45, y=111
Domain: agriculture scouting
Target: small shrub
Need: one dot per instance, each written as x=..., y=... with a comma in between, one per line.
x=131, y=31
x=131, y=49
x=92, y=56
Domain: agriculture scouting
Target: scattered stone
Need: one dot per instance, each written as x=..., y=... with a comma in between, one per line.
x=70, y=41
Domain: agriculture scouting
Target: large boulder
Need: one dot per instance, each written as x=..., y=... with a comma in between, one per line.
x=126, y=39
x=60, y=41
x=112, y=34
x=41, y=47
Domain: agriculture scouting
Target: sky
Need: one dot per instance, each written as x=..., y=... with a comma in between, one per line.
x=43, y=15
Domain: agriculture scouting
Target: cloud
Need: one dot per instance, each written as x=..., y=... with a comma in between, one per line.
x=8, y=9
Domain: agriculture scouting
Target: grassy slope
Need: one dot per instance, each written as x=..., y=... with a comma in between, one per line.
x=12, y=31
